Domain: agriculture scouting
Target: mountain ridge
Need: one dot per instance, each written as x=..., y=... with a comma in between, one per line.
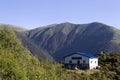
x=57, y=40
x=64, y=38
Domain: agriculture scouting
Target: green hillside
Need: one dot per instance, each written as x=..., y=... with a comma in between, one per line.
x=61, y=39
x=16, y=63
x=34, y=49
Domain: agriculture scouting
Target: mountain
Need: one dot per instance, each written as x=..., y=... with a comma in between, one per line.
x=57, y=40
x=61, y=39
x=17, y=63
x=34, y=49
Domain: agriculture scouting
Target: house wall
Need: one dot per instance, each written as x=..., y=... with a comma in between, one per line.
x=74, y=61
x=93, y=63
x=90, y=62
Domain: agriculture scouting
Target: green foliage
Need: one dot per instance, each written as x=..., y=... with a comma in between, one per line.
x=16, y=63
x=110, y=65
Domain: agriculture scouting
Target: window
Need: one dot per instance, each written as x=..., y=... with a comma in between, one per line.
x=76, y=58
x=84, y=61
x=95, y=61
x=70, y=61
x=91, y=61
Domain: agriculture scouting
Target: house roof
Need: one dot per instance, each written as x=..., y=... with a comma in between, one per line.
x=83, y=54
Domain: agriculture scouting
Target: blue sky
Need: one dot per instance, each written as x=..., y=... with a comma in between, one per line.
x=35, y=13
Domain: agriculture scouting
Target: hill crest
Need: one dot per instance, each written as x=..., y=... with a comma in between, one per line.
x=64, y=38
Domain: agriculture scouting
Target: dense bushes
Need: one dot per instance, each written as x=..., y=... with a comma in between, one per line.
x=15, y=60
x=110, y=65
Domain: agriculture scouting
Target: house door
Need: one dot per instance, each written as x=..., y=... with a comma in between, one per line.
x=78, y=62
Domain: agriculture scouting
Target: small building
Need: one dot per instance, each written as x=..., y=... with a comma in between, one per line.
x=80, y=61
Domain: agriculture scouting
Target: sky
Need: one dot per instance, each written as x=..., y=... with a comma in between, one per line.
x=31, y=14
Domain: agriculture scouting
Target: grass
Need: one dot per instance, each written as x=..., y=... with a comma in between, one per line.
x=88, y=72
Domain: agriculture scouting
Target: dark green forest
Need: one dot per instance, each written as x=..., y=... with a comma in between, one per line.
x=17, y=63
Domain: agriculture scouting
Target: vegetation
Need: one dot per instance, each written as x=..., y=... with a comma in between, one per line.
x=110, y=65
x=16, y=63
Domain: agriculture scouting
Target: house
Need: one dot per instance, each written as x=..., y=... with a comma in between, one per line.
x=80, y=61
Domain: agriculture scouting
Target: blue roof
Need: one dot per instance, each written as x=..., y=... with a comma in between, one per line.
x=87, y=55
x=83, y=54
